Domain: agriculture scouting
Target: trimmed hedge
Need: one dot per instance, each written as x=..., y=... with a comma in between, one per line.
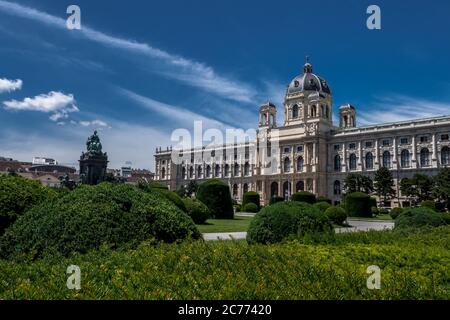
x=395, y=212
x=284, y=220
x=419, y=217
x=336, y=215
x=304, y=196
x=216, y=196
x=251, y=197
x=373, y=202
x=118, y=216
x=358, y=204
x=323, y=199
x=250, y=207
x=171, y=196
x=19, y=194
x=197, y=210
x=276, y=199
x=322, y=206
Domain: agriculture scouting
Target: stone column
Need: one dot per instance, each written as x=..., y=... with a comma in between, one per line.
x=360, y=160
x=314, y=157
x=395, y=162
x=434, y=162
x=414, y=152
x=377, y=155
x=344, y=159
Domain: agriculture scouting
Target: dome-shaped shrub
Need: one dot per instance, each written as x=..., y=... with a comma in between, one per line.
x=250, y=207
x=287, y=219
x=336, y=215
x=395, y=212
x=115, y=215
x=428, y=204
x=322, y=206
x=216, y=196
x=419, y=217
x=275, y=199
x=197, y=210
x=251, y=197
x=358, y=204
x=304, y=196
x=323, y=199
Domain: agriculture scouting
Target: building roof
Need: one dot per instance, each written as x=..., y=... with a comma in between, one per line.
x=308, y=81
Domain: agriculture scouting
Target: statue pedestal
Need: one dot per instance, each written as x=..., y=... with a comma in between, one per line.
x=93, y=168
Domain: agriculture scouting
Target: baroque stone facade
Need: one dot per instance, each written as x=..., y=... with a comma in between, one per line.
x=310, y=153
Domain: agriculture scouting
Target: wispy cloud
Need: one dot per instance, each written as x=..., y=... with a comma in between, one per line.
x=57, y=103
x=176, y=114
x=187, y=71
x=7, y=85
x=94, y=123
x=398, y=108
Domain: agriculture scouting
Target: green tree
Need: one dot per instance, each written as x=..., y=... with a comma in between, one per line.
x=356, y=182
x=419, y=188
x=441, y=189
x=384, y=184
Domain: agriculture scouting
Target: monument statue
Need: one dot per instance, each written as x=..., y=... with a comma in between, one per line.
x=93, y=163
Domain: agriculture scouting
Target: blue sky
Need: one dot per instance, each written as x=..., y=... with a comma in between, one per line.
x=137, y=70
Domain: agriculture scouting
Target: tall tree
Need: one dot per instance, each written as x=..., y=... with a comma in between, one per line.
x=384, y=184
x=356, y=182
x=419, y=188
x=441, y=188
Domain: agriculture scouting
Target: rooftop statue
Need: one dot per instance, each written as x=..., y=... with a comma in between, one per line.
x=94, y=145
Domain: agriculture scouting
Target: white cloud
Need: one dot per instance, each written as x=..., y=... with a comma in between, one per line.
x=7, y=85
x=399, y=108
x=94, y=123
x=57, y=103
x=185, y=70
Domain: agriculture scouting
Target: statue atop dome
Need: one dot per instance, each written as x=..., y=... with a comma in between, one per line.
x=93, y=144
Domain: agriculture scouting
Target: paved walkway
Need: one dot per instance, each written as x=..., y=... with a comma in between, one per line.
x=357, y=225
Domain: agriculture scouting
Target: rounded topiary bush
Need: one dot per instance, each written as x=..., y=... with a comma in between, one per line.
x=373, y=202
x=275, y=199
x=419, y=217
x=395, y=212
x=304, y=196
x=428, y=204
x=358, y=204
x=171, y=196
x=336, y=215
x=251, y=197
x=216, y=196
x=119, y=216
x=250, y=207
x=197, y=210
x=323, y=199
x=287, y=219
x=322, y=206
x=17, y=195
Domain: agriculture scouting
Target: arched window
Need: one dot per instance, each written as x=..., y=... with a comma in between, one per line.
x=287, y=165
x=163, y=173
x=404, y=159
x=313, y=111
x=217, y=171
x=309, y=185
x=353, y=161
x=236, y=170
x=300, y=186
x=337, y=187
x=208, y=171
x=191, y=172
x=274, y=189
x=369, y=161
x=183, y=173
x=295, y=111
x=424, y=157
x=386, y=159
x=300, y=164
x=227, y=170
x=247, y=169
x=286, y=190
x=245, y=188
x=235, y=190
x=445, y=155
x=199, y=172
x=337, y=163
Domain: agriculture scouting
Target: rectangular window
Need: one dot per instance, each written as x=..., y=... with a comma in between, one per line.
x=287, y=149
x=337, y=147
x=299, y=148
x=404, y=141
x=386, y=142
x=352, y=146
x=423, y=139
x=444, y=137
x=369, y=144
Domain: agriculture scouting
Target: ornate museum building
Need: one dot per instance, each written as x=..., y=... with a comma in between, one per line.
x=313, y=154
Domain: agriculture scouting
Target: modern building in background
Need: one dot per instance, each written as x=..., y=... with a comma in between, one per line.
x=314, y=154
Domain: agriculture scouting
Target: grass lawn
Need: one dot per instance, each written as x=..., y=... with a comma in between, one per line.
x=379, y=217
x=238, y=224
